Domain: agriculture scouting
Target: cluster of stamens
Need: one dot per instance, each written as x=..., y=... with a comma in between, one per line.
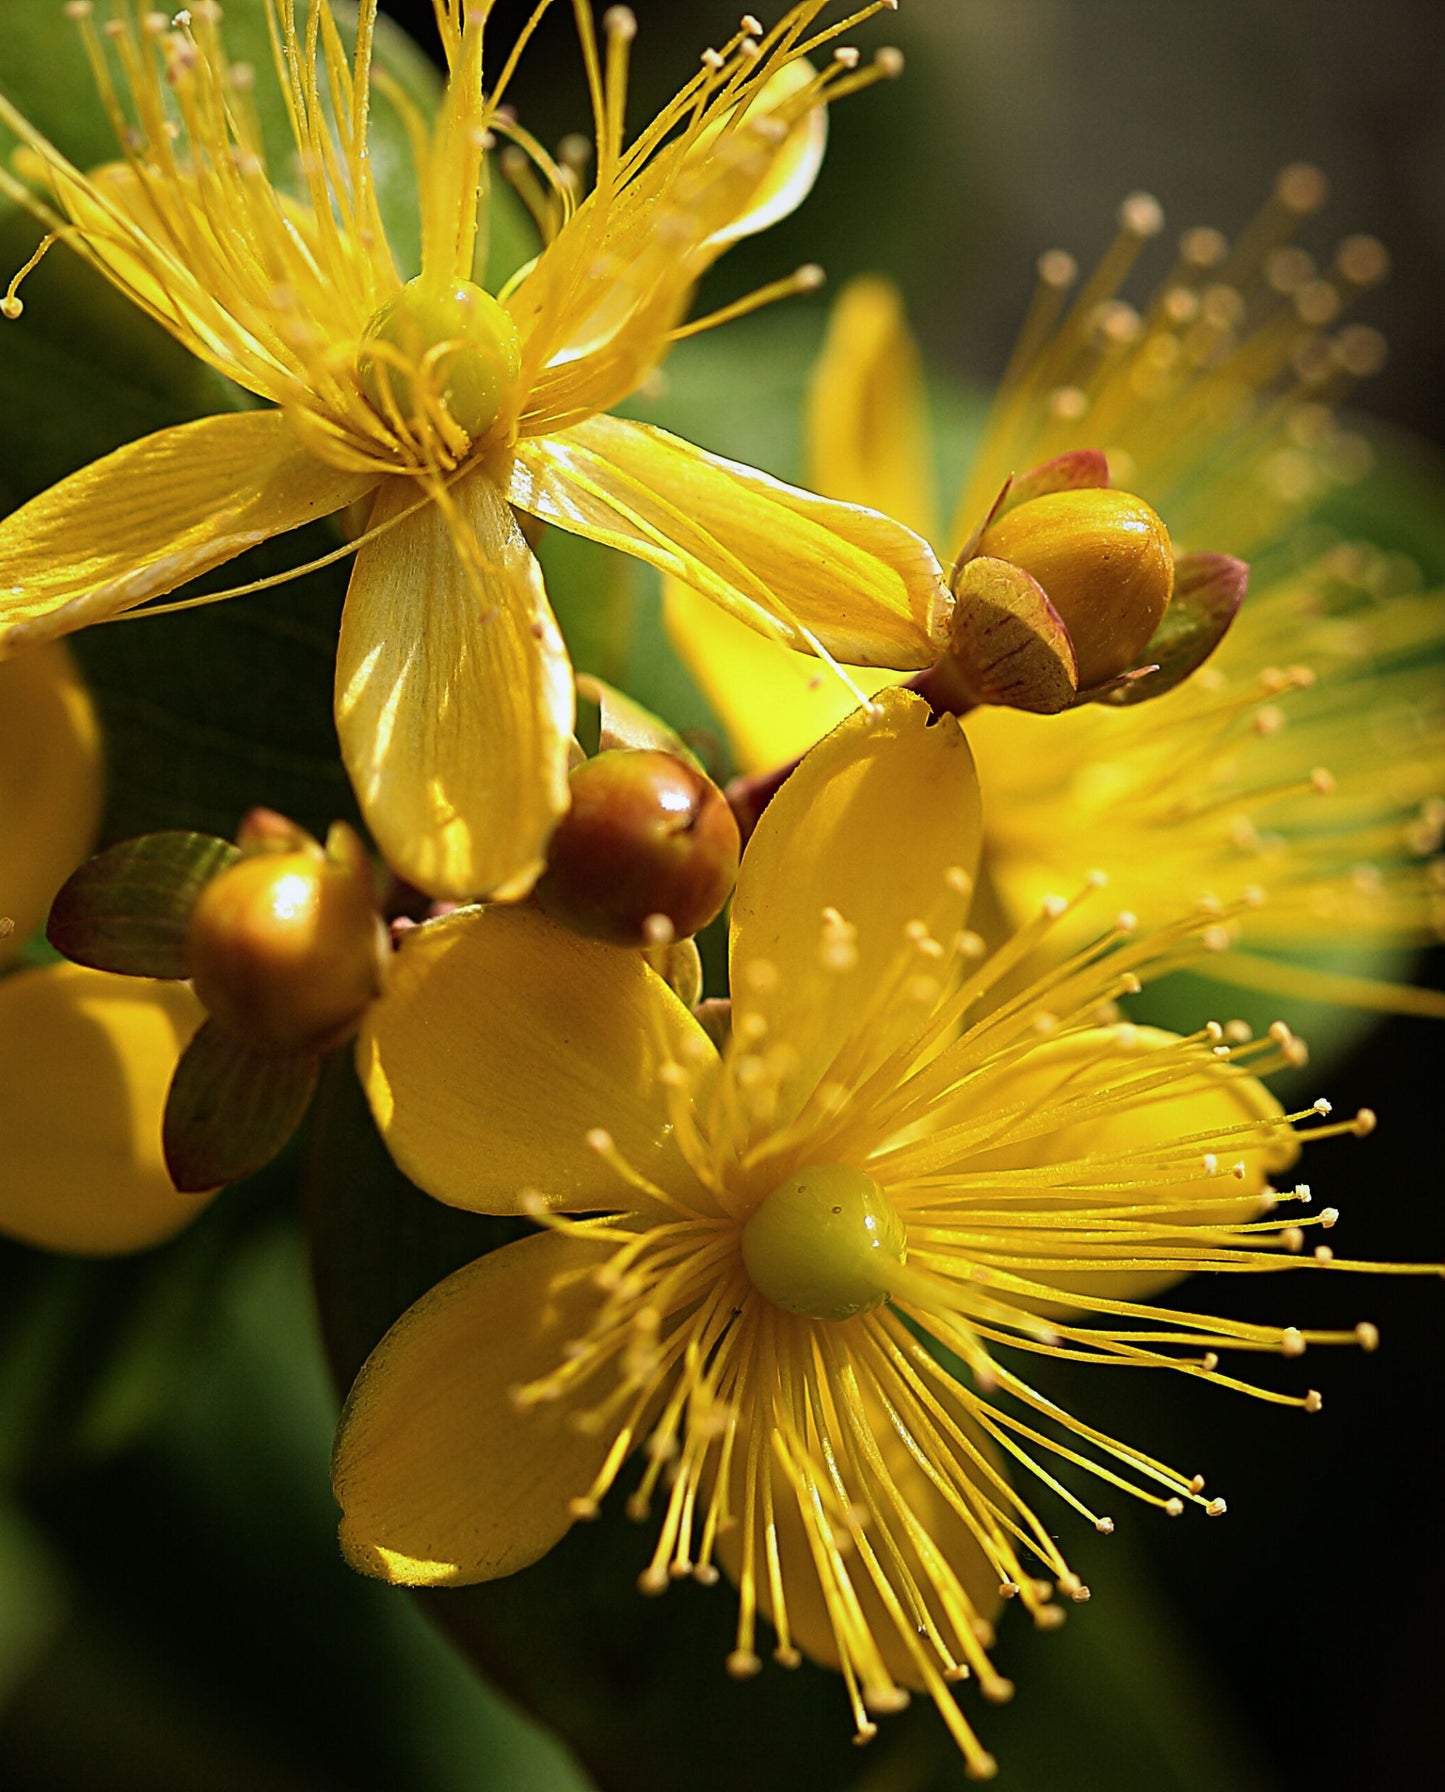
x=920, y=1122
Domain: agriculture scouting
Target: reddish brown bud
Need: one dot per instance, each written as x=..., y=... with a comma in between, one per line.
x=286, y=951
x=648, y=851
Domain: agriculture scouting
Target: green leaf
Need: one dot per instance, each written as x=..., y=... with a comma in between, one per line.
x=129, y=909
x=230, y=1110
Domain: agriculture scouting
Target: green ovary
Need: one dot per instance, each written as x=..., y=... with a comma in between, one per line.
x=824, y=1243
x=440, y=340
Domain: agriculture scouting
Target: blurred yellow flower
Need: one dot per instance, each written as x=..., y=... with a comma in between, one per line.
x=438, y=404
x=804, y=1249
x=50, y=785
x=1306, y=760
x=85, y=1058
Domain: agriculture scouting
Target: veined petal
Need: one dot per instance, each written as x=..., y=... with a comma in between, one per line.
x=441, y=1479
x=156, y=513
x=867, y=425
x=774, y=703
x=454, y=694
x=501, y=1041
x=868, y=850
x=87, y=1175
x=50, y=784
x=802, y=569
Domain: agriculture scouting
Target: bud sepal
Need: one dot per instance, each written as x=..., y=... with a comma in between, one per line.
x=1068, y=592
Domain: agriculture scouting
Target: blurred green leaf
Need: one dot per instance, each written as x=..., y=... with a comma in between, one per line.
x=218, y=1643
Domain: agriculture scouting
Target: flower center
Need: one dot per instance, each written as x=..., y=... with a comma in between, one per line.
x=440, y=345
x=822, y=1243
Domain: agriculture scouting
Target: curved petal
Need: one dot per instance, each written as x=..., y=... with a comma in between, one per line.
x=597, y=307
x=155, y=513
x=87, y=1175
x=802, y=569
x=794, y=164
x=867, y=427
x=454, y=693
x=773, y=703
x=501, y=1041
x=869, y=835
x=1212, y=1099
x=50, y=784
x=442, y=1479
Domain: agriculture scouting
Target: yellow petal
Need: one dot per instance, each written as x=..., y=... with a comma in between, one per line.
x=867, y=423
x=454, y=693
x=50, y=784
x=596, y=309
x=802, y=569
x=156, y=513
x=773, y=703
x=1210, y=1101
x=880, y=825
x=86, y=1059
x=441, y=1479
x=793, y=166
x=501, y=1041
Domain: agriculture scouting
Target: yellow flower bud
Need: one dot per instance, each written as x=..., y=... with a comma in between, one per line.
x=648, y=851
x=444, y=342
x=822, y=1243
x=286, y=951
x=1105, y=562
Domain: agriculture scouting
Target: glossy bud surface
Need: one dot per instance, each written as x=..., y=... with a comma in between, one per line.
x=286, y=951
x=649, y=850
x=1106, y=564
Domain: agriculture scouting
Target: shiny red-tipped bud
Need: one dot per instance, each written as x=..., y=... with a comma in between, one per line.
x=1103, y=559
x=287, y=951
x=648, y=851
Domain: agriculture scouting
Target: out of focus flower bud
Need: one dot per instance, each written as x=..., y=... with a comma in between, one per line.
x=286, y=950
x=647, y=853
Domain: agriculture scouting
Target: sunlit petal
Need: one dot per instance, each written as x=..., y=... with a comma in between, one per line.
x=454, y=693
x=482, y=1096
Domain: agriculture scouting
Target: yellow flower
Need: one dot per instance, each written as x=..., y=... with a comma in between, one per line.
x=85, y=1058
x=50, y=786
x=885, y=1152
x=438, y=404
x=1307, y=759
